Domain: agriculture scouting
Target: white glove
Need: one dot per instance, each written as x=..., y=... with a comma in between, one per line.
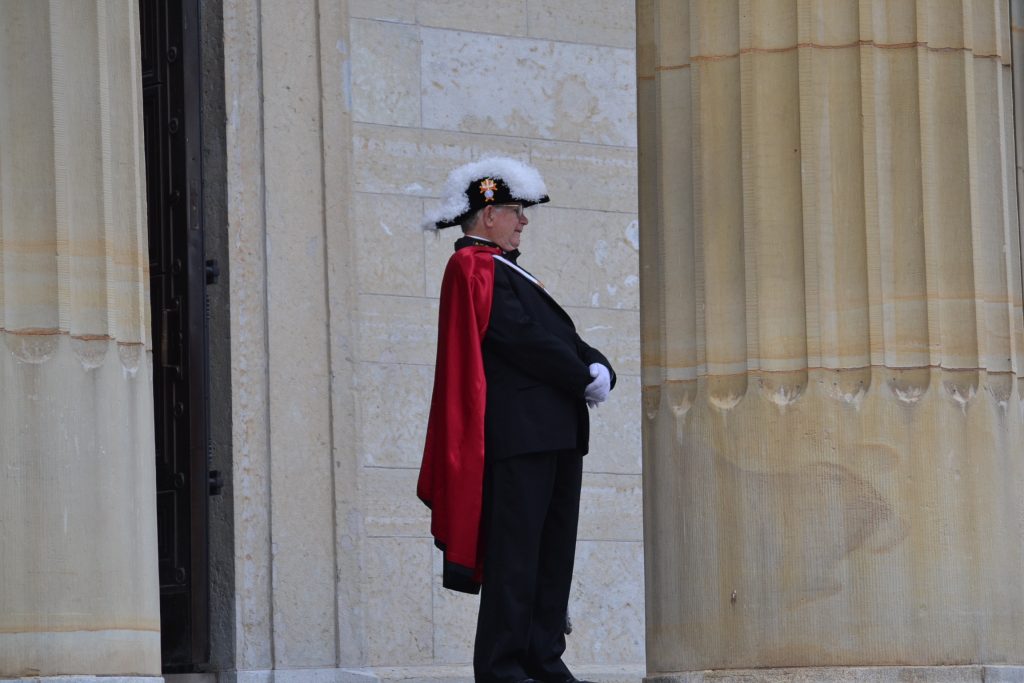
x=597, y=391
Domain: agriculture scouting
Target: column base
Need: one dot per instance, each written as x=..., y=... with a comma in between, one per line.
x=100, y=656
x=86, y=679
x=409, y=674
x=851, y=674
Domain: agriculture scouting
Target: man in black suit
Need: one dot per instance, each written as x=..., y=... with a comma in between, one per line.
x=513, y=380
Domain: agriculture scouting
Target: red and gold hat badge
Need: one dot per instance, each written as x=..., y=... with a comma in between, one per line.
x=487, y=189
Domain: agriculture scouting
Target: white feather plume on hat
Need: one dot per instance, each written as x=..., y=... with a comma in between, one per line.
x=524, y=184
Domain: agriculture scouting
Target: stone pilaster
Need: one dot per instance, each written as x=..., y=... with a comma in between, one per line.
x=832, y=337
x=297, y=526
x=78, y=561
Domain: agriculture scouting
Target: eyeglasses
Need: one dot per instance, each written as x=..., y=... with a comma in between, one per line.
x=519, y=209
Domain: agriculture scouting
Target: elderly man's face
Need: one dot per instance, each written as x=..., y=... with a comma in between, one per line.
x=503, y=225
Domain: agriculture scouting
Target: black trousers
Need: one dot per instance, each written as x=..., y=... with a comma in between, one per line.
x=531, y=509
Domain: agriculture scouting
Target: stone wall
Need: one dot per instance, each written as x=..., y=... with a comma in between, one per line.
x=78, y=532
x=436, y=84
x=343, y=121
x=832, y=341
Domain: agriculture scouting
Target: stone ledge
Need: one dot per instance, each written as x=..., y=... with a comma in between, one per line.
x=879, y=674
x=412, y=674
x=85, y=679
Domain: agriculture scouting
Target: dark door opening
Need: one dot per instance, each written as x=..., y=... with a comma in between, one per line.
x=178, y=275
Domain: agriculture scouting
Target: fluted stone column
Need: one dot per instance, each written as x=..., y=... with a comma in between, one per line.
x=78, y=574
x=832, y=340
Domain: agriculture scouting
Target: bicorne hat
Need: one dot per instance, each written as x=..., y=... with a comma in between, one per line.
x=489, y=181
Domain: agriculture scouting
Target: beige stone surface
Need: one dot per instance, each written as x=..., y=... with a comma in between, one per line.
x=945, y=157
x=395, y=329
x=398, y=589
x=292, y=288
x=341, y=300
x=77, y=416
x=416, y=162
x=503, y=18
x=350, y=293
x=329, y=312
x=547, y=90
x=831, y=427
x=607, y=604
x=584, y=258
x=95, y=679
x=73, y=194
x=392, y=411
x=29, y=221
x=464, y=674
x=299, y=401
x=610, y=507
x=1015, y=238
x=249, y=354
x=892, y=166
x=390, y=506
x=606, y=608
x=594, y=22
x=386, y=235
x=385, y=10
x=78, y=456
x=438, y=247
x=615, y=430
x=880, y=674
x=845, y=536
x=579, y=176
x=454, y=617
x=385, y=73
x=83, y=651
x=614, y=332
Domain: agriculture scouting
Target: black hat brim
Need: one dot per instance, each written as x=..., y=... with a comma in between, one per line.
x=458, y=219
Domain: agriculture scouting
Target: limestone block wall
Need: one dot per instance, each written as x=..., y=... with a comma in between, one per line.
x=343, y=121
x=436, y=84
x=78, y=562
x=296, y=530
x=832, y=335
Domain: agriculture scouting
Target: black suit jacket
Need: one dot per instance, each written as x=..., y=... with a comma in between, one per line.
x=537, y=368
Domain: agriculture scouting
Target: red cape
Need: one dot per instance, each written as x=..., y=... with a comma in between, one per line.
x=452, y=473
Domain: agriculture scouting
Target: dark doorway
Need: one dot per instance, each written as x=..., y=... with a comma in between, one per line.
x=178, y=279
